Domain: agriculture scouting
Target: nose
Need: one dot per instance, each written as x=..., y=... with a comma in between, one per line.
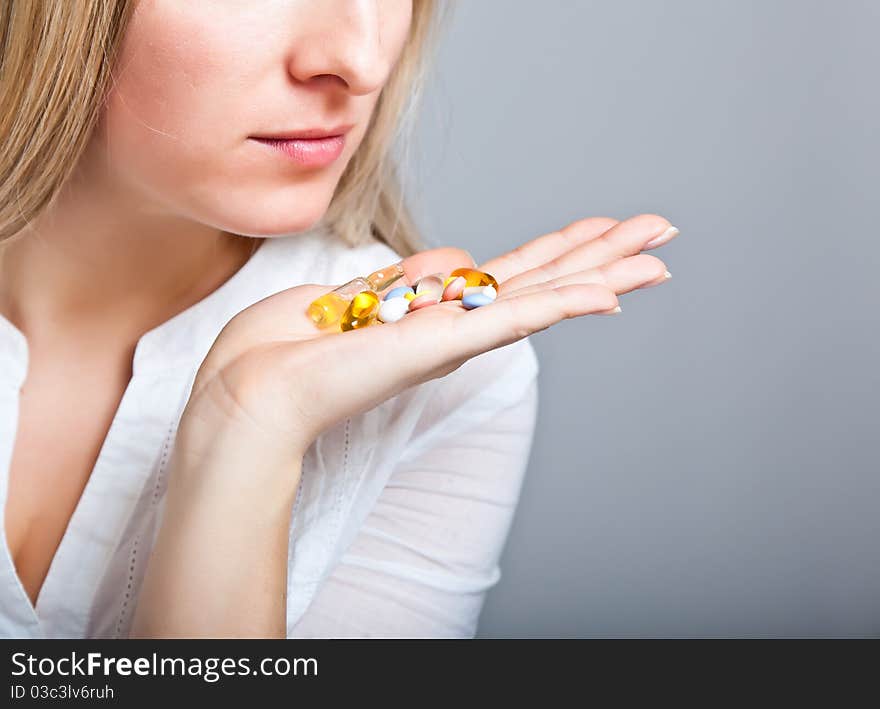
x=341, y=40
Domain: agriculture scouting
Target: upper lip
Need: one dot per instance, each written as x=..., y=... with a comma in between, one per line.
x=308, y=133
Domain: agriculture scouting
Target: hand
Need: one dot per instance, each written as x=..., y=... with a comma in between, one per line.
x=273, y=375
x=272, y=382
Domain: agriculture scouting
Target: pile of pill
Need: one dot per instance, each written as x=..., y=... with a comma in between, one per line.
x=473, y=288
x=356, y=304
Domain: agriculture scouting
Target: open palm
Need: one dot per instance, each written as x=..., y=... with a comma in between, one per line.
x=271, y=370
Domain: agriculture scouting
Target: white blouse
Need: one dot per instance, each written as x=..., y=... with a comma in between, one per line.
x=402, y=512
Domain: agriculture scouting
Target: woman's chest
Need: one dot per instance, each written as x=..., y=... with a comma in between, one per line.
x=81, y=482
x=62, y=425
x=91, y=585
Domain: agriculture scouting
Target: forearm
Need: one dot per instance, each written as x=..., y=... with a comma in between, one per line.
x=219, y=565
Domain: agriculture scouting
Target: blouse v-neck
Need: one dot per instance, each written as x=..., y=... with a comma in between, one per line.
x=171, y=350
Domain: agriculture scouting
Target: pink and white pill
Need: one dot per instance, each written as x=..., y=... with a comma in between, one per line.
x=454, y=288
x=423, y=301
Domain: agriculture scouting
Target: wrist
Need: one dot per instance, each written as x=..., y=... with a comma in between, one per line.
x=242, y=461
x=218, y=567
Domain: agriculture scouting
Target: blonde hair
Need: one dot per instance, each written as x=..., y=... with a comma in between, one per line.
x=56, y=67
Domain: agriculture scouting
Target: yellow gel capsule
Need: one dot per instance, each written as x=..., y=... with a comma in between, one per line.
x=361, y=312
x=473, y=277
x=409, y=296
x=329, y=308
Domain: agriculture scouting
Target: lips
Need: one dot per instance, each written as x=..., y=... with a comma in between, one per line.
x=314, y=152
x=307, y=133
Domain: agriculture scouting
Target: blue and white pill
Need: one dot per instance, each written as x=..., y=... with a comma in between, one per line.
x=485, y=290
x=398, y=292
x=392, y=309
x=475, y=300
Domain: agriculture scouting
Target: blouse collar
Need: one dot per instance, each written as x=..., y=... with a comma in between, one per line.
x=183, y=341
x=13, y=353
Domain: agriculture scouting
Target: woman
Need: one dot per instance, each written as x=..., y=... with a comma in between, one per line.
x=183, y=453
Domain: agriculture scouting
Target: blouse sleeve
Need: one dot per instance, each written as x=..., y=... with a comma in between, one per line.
x=429, y=550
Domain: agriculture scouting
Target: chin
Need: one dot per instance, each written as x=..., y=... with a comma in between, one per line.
x=281, y=225
x=266, y=218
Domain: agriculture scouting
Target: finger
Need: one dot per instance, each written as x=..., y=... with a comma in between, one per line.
x=436, y=340
x=503, y=322
x=626, y=238
x=454, y=332
x=621, y=276
x=441, y=260
x=547, y=247
x=361, y=368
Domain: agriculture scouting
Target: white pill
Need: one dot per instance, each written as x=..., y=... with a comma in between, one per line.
x=393, y=309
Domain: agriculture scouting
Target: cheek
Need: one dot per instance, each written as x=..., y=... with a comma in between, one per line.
x=167, y=119
x=176, y=124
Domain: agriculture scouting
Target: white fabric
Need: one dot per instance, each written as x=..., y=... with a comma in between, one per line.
x=402, y=512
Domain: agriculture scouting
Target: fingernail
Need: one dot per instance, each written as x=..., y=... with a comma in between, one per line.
x=614, y=311
x=667, y=235
x=665, y=277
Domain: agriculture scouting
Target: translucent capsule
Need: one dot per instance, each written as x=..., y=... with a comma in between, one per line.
x=475, y=277
x=434, y=282
x=361, y=312
x=330, y=307
x=384, y=277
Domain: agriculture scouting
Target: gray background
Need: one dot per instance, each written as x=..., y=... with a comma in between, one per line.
x=705, y=463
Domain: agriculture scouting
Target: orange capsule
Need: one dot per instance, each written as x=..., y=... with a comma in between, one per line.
x=473, y=277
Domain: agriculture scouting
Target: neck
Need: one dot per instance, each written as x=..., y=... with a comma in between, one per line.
x=99, y=260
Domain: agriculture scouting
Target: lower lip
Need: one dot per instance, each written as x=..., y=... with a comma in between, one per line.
x=318, y=152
